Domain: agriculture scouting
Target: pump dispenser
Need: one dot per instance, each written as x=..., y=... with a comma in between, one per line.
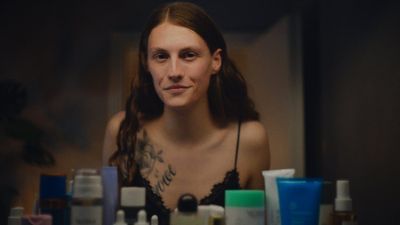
x=343, y=207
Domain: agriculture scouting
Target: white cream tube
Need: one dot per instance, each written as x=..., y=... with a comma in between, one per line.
x=271, y=193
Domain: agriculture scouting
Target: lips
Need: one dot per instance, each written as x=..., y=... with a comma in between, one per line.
x=176, y=87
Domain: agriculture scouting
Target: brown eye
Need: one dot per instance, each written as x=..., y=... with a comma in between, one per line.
x=160, y=57
x=189, y=55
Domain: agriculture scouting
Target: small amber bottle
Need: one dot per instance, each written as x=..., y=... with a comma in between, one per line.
x=343, y=208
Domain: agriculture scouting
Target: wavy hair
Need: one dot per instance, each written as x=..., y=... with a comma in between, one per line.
x=227, y=92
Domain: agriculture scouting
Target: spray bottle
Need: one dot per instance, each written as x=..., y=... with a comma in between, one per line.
x=343, y=208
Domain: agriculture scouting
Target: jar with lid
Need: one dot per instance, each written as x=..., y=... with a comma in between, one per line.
x=87, y=195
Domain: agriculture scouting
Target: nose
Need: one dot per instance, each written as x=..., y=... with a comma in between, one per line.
x=175, y=72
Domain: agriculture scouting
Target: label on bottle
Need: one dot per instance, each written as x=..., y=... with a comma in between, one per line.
x=242, y=215
x=86, y=215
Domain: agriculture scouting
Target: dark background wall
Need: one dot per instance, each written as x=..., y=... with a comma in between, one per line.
x=352, y=83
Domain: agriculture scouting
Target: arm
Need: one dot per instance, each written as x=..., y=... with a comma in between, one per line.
x=110, y=137
x=256, y=157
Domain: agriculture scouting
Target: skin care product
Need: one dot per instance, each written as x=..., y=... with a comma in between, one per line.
x=244, y=207
x=141, y=218
x=87, y=205
x=133, y=199
x=53, y=197
x=343, y=207
x=109, y=177
x=120, y=218
x=326, y=206
x=43, y=219
x=154, y=220
x=15, y=216
x=187, y=212
x=299, y=200
x=271, y=193
x=210, y=211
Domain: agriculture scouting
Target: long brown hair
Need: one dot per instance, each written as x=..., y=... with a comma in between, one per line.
x=227, y=92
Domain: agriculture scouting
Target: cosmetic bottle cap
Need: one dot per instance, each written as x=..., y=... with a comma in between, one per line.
x=133, y=196
x=154, y=220
x=244, y=198
x=187, y=203
x=142, y=218
x=343, y=201
x=120, y=218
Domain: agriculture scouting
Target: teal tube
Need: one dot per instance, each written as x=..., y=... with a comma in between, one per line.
x=299, y=200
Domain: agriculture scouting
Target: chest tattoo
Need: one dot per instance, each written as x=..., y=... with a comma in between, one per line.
x=146, y=157
x=165, y=180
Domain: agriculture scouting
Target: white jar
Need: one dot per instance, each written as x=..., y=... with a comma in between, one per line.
x=243, y=207
x=87, y=198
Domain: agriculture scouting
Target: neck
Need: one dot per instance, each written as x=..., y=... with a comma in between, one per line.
x=188, y=126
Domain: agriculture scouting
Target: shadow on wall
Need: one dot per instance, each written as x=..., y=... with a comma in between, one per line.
x=43, y=135
x=21, y=141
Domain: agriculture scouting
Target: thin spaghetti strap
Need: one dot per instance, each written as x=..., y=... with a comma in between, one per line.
x=237, y=143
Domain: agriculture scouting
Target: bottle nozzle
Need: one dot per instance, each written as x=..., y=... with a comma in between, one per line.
x=154, y=220
x=142, y=218
x=120, y=218
x=343, y=200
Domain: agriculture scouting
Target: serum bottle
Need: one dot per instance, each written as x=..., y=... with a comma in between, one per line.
x=343, y=207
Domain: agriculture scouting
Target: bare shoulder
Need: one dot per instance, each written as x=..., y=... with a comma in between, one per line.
x=115, y=121
x=110, y=136
x=254, y=136
x=254, y=154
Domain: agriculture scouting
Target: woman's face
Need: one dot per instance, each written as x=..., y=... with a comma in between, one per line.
x=180, y=64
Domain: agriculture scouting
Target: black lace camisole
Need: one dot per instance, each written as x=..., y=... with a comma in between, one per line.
x=155, y=204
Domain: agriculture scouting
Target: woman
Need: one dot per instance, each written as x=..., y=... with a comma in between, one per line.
x=189, y=125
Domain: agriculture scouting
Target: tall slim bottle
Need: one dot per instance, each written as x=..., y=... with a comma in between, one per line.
x=343, y=207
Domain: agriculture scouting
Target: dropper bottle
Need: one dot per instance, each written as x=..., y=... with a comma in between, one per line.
x=120, y=218
x=154, y=220
x=141, y=218
x=343, y=206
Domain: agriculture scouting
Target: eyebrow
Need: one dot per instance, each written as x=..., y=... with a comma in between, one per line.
x=189, y=48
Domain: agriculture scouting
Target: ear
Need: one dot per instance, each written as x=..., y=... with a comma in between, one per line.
x=216, y=60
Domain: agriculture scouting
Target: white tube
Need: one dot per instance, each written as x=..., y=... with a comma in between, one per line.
x=271, y=193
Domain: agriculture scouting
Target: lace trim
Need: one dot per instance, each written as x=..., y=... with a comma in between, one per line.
x=216, y=195
x=231, y=181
